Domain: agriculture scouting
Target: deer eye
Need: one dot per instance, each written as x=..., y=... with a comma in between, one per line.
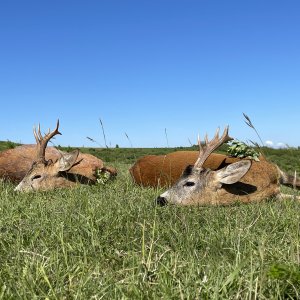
x=189, y=183
x=36, y=177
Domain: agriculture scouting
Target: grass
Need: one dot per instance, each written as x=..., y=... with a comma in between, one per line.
x=7, y=145
x=113, y=242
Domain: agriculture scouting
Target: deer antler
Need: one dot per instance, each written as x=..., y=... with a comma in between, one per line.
x=210, y=146
x=42, y=141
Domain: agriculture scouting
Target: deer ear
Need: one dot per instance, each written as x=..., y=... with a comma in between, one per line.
x=67, y=160
x=233, y=172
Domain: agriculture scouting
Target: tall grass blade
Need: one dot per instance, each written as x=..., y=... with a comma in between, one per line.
x=166, y=135
x=250, y=124
x=128, y=140
x=93, y=141
x=103, y=132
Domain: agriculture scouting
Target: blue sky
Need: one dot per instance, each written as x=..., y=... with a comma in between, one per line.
x=144, y=67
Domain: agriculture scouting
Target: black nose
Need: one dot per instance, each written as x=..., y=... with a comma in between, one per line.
x=161, y=201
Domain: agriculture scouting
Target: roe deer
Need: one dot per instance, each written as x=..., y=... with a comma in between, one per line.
x=165, y=170
x=244, y=180
x=62, y=169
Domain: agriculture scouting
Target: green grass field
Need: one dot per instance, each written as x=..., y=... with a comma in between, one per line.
x=113, y=242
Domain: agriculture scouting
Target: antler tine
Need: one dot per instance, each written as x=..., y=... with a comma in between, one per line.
x=212, y=145
x=43, y=141
x=199, y=142
x=39, y=132
x=50, y=134
x=206, y=139
x=217, y=132
x=35, y=134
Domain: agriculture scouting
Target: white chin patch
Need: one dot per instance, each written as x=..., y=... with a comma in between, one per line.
x=164, y=195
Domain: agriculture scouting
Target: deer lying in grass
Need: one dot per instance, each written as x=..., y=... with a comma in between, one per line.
x=165, y=170
x=29, y=165
x=229, y=180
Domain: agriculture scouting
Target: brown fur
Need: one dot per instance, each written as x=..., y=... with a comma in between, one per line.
x=165, y=170
x=262, y=180
x=15, y=163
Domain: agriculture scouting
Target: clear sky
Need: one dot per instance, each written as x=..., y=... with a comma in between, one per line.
x=150, y=67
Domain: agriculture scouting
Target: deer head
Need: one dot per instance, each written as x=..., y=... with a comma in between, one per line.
x=198, y=185
x=46, y=174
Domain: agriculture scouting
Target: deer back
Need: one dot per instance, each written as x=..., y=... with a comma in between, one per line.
x=165, y=170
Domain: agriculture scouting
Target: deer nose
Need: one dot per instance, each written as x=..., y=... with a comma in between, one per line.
x=161, y=201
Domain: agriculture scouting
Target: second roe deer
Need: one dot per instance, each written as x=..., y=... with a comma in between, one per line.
x=244, y=180
x=62, y=169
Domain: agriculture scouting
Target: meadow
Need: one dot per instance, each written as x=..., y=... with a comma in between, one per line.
x=113, y=242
